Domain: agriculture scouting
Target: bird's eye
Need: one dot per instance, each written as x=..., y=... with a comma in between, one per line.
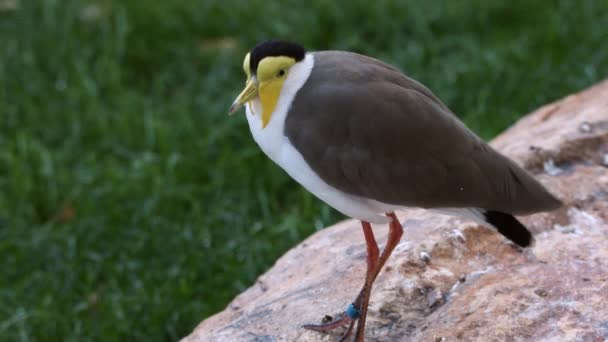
x=281, y=73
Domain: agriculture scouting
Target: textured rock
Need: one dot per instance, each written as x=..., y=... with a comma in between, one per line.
x=453, y=280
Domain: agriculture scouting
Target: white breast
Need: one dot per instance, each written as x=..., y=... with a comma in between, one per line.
x=277, y=147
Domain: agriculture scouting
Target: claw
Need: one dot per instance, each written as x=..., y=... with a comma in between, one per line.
x=348, y=331
x=340, y=321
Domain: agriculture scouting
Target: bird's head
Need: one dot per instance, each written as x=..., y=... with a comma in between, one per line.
x=267, y=66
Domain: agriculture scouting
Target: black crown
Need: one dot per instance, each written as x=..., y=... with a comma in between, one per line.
x=274, y=48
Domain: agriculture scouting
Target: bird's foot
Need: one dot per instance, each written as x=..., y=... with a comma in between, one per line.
x=346, y=318
x=330, y=323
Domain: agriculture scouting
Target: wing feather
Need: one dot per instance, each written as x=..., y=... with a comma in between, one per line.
x=369, y=130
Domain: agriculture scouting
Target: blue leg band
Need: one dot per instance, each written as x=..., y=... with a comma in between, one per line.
x=353, y=312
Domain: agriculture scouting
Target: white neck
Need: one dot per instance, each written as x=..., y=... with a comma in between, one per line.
x=271, y=137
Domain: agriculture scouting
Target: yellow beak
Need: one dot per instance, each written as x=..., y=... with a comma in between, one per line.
x=250, y=91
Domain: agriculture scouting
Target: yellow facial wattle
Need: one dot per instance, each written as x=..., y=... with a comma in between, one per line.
x=271, y=74
x=266, y=83
x=269, y=96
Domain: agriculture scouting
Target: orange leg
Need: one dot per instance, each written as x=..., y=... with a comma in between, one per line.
x=362, y=300
x=358, y=310
x=394, y=236
x=395, y=232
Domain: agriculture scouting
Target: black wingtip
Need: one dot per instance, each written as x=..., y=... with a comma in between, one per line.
x=510, y=227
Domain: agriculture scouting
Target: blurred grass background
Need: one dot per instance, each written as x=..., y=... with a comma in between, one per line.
x=132, y=207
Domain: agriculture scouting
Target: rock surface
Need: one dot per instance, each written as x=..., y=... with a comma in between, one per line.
x=450, y=279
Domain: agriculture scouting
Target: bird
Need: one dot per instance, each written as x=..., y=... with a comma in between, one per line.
x=368, y=140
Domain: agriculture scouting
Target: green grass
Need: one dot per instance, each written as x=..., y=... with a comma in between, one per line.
x=132, y=207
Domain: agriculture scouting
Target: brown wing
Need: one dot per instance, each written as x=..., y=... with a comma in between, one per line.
x=370, y=131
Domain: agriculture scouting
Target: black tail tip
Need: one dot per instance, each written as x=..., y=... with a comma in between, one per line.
x=510, y=227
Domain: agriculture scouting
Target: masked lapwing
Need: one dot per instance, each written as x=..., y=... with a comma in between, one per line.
x=368, y=140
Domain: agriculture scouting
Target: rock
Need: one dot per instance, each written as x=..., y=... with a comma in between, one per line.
x=450, y=279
